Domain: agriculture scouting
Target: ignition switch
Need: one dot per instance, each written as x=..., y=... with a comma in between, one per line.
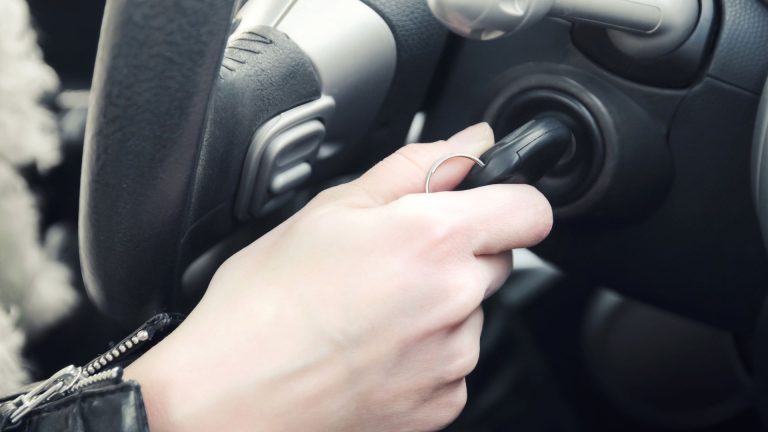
x=617, y=163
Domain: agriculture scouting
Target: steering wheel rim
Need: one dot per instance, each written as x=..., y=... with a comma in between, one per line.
x=147, y=69
x=760, y=164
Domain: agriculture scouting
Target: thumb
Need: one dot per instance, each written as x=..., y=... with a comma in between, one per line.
x=404, y=172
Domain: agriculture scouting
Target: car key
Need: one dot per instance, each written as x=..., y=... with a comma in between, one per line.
x=524, y=156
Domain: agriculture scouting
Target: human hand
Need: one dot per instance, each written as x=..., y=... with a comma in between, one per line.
x=360, y=313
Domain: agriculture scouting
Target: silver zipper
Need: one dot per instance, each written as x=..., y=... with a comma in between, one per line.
x=109, y=374
x=72, y=379
x=56, y=385
x=124, y=347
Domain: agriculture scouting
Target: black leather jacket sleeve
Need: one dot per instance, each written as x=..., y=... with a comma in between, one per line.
x=115, y=407
x=91, y=398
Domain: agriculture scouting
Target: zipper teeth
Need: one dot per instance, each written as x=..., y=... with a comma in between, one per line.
x=94, y=372
x=124, y=347
x=106, y=375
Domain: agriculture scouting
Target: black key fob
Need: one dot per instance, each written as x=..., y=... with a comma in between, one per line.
x=524, y=156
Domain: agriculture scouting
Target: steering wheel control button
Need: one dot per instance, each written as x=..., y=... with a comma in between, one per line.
x=297, y=144
x=288, y=158
x=290, y=178
x=281, y=157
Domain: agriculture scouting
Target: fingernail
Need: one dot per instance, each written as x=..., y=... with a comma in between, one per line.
x=474, y=139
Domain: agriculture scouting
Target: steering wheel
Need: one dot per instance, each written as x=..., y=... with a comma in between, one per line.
x=205, y=116
x=210, y=120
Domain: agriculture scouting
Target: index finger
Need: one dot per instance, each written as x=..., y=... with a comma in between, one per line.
x=404, y=172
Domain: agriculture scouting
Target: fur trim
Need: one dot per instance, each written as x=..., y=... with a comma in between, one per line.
x=35, y=290
x=12, y=373
x=36, y=285
x=28, y=132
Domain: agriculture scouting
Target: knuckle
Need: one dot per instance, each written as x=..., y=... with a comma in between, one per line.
x=230, y=266
x=457, y=369
x=421, y=221
x=410, y=205
x=439, y=230
x=328, y=195
x=469, y=359
x=414, y=219
x=465, y=361
x=450, y=406
x=457, y=400
x=463, y=293
x=350, y=194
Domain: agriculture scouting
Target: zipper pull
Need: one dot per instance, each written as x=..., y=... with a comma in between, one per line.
x=55, y=386
x=102, y=369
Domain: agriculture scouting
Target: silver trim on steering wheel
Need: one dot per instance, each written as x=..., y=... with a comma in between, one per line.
x=351, y=47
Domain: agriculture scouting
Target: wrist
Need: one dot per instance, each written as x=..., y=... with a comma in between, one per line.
x=196, y=387
x=162, y=379
x=152, y=393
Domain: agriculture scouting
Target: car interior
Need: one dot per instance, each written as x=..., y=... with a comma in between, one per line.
x=190, y=128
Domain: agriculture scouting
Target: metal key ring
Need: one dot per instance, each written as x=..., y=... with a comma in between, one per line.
x=445, y=159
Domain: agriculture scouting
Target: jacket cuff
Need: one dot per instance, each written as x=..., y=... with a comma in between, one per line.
x=93, y=397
